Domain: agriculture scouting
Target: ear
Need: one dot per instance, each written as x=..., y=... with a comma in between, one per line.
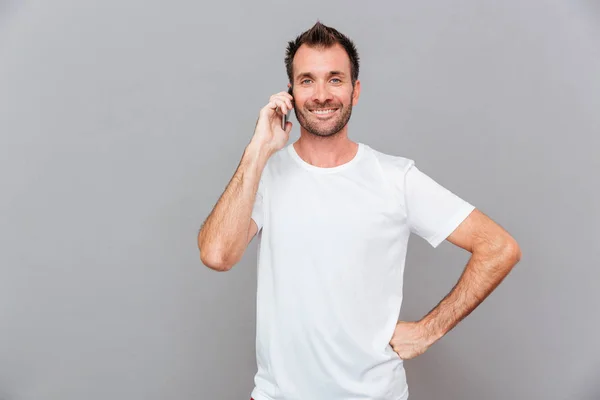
x=356, y=94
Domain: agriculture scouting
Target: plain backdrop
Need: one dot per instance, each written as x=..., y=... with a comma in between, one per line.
x=121, y=123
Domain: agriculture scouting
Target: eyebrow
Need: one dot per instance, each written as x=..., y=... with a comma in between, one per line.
x=309, y=75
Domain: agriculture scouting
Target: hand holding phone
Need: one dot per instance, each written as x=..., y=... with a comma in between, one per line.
x=266, y=132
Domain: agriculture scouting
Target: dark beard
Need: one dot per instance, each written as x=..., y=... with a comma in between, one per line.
x=315, y=129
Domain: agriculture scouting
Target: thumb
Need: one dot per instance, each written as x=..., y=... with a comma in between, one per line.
x=288, y=127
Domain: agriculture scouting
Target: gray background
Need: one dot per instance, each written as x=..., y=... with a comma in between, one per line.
x=122, y=122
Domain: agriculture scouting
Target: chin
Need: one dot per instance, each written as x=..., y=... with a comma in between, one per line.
x=327, y=128
x=323, y=132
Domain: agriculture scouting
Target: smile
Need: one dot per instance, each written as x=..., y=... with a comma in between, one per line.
x=324, y=111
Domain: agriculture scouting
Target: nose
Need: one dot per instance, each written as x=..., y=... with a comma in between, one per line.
x=321, y=94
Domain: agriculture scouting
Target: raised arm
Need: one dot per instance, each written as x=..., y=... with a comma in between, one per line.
x=228, y=229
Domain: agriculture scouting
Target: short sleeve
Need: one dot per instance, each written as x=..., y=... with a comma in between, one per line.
x=433, y=212
x=257, y=209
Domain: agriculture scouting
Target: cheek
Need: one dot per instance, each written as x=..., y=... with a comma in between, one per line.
x=299, y=102
x=346, y=98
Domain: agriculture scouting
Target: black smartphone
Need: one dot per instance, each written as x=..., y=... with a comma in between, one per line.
x=284, y=120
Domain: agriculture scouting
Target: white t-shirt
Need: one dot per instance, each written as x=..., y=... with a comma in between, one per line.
x=332, y=248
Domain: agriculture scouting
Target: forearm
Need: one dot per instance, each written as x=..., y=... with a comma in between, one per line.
x=223, y=237
x=483, y=273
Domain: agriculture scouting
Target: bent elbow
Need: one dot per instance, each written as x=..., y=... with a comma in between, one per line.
x=215, y=262
x=514, y=251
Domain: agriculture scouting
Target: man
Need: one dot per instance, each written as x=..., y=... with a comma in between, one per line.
x=334, y=218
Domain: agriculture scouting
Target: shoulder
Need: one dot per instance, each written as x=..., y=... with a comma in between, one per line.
x=277, y=160
x=391, y=165
x=279, y=165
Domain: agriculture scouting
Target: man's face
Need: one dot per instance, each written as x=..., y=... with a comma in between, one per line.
x=323, y=93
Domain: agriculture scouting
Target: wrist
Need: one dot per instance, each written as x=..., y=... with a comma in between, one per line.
x=258, y=152
x=429, y=331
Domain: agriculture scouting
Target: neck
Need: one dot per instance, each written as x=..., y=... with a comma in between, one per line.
x=326, y=152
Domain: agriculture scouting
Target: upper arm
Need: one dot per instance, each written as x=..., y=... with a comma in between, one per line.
x=478, y=232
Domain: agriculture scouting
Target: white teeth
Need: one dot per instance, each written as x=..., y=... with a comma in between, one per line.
x=323, y=111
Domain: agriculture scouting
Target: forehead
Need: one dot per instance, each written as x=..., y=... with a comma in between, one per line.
x=320, y=61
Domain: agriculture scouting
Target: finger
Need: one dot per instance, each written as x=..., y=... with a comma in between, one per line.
x=284, y=94
x=288, y=100
x=282, y=107
x=275, y=105
x=269, y=108
x=285, y=99
x=281, y=96
x=288, y=96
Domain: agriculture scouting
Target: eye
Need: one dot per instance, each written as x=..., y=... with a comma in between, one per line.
x=304, y=81
x=336, y=79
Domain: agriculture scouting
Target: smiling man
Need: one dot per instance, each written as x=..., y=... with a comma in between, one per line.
x=333, y=217
x=325, y=111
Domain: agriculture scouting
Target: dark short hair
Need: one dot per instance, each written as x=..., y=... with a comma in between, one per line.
x=322, y=36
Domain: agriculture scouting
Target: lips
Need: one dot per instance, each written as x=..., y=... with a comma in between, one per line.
x=323, y=112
